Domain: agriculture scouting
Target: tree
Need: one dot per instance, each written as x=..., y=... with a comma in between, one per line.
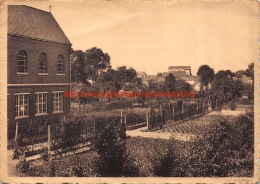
x=124, y=75
x=77, y=66
x=170, y=83
x=250, y=71
x=86, y=66
x=107, y=81
x=224, y=74
x=239, y=73
x=113, y=161
x=206, y=74
x=181, y=85
x=95, y=62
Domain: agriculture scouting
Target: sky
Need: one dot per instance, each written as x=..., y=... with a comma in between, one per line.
x=152, y=35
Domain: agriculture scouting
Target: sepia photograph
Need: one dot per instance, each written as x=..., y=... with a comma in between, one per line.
x=130, y=91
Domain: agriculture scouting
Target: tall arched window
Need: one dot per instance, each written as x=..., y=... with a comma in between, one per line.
x=60, y=64
x=22, y=62
x=42, y=63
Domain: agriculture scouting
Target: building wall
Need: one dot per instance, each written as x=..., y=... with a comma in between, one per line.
x=32, y=82
x=33, y=49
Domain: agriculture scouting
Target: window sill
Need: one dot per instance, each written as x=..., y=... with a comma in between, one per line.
x=43, y=114
x=58, y=112
x=21, y=117
x=43, y=74
x=60, y=73
x=23, y=73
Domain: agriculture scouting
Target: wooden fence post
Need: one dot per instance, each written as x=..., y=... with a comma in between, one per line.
x=147, y=120
x=121, y=121
x=203, y=105
x=49, y=139
x=173, y=113
x=125, y=120
x=161, y=113
x=94, y=129
x=182, y=109
x=16, y=132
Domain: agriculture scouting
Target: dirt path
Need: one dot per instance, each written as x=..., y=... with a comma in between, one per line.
x=142, y=132
x=227, y=112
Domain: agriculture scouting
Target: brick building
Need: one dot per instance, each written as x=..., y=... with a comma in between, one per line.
x=38, y=66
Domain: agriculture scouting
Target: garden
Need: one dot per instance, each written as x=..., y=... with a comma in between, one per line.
x=225, y=149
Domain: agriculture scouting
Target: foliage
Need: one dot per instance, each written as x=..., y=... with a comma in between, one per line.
x=224, y=74
x=22, y=165
x=250, y=71
x=166, y=164
x=225, y=149
x=206, y=74
x=170, y=83
x=181, y=85
x=45, y=155
x=113, y=156
x=233, y=105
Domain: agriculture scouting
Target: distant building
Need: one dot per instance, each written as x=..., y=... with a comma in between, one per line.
x=38, y=65
x=179, y=72
x=244, y=79
x=186, y=69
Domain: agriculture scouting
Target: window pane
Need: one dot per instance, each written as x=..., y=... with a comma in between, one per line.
x=21, y=62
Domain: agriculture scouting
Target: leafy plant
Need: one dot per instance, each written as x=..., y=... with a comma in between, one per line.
x=233, y=105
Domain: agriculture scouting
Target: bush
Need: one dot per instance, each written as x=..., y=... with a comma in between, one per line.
x=233, y=105
x=22, y=165
x=45, y=155
x=113, y=158
x=246, y=101
x=166, y=163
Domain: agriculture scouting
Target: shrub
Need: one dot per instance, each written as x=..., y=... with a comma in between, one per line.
x=45, y=155
x=113, y=158
x=166, y=163
x=233, y=105
x=22, y=165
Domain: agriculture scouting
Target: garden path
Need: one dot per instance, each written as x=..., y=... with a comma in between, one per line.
x=142, y=132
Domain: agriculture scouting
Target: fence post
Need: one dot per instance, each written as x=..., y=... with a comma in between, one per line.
x=125, y=120
x=16, y=132
x=49, y=139
x=121, y=121
x=173, y=113
x=94, y=129
x=203, y=105
x=147, y=120
x=161, y=113
x=182, y=109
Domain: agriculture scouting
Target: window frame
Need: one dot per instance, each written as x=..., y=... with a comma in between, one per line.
x=41, y=102
x=23, y=105
x=43, y=59
x=22, y=54
x=60, y=61
x=58, y=101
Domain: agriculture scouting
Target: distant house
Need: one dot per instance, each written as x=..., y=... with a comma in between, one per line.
x=186, y=69
x=179, y=72
x=244, y=79
x=149, y=78
x=38, y=65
